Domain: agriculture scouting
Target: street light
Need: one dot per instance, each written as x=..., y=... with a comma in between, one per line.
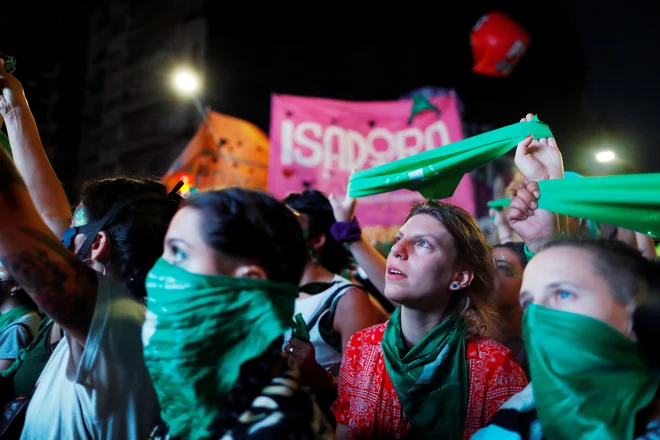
x=186, y=82
x=605, y=156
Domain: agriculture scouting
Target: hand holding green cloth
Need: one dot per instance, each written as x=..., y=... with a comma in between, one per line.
x=589, y=380
x=431, y=379
x=436, y=173
x=299, y=328
x=628, y=201
x=198, y=332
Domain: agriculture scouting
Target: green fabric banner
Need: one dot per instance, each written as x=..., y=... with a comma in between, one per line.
x=436, y=173
x=629, y=201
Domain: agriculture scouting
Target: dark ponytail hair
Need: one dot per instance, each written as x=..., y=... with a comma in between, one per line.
x=137, y=232
x=316, y=206
x=253, y=226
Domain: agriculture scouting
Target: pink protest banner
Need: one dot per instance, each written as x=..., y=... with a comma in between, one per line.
x=319, y=142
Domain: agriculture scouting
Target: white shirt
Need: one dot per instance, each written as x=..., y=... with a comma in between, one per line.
x=101, y=390
x=326, y=355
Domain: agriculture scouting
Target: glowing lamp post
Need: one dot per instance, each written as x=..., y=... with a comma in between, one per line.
x=605, y=156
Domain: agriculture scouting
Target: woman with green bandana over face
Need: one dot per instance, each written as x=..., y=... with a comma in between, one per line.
x=219, y=301
x=589, y=378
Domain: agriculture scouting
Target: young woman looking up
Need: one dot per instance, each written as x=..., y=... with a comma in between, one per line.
x=429, y=372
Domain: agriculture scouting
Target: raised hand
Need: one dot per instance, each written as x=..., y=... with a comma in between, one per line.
x=539, y=159
x=11, y=92
x=343, y=209
x=535, y=226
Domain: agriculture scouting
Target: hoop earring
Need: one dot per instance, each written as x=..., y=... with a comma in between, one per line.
x=92, y=265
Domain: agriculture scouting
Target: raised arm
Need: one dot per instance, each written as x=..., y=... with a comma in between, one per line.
x=60, y=284
x=367, y=256
x=29, y=156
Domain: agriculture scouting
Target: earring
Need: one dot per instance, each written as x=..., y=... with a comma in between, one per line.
x=454, y=285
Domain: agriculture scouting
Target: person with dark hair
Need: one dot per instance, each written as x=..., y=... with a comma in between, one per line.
x=218, y=303
x=429, y=372
x=19, y=320
x=333, y=307
x=95, y=384
x=590, y=376
x=510, y=260
x=131, y=215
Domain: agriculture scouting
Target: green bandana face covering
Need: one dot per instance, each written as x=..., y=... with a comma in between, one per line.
x=431, y=379
x=199, y=330
x=589, y=380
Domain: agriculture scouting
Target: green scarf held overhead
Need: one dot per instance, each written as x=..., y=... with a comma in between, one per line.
x=436, y=173
x=199, y=330
x=629, y=201
x=589, y=380
x=6, y=319
x=431, y=379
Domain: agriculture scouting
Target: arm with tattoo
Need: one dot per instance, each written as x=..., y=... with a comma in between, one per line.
x=60, y=284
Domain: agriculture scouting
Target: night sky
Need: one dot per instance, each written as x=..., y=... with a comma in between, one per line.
x=592, y=68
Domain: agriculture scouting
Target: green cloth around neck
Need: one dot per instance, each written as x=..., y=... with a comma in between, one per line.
x=436, y=173
x=589, y=380
x=6, y=319
x=199, y=330
x=628, y=201
x=431, y=379
x=44, y=332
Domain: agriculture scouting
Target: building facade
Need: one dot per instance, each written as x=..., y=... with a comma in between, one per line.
x=133, y=122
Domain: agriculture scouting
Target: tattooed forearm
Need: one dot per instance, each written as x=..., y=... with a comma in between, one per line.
x=64, y=287
x=51, y=244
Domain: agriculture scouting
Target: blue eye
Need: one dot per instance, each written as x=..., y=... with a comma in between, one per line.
x=423, y=243
x=563, y=294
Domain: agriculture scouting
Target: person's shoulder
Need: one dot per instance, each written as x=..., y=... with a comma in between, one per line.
x=25, y=325
x=371, y=335
x=494, y=362
x=32, y=320
x=486, y=348
x=118, y=299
